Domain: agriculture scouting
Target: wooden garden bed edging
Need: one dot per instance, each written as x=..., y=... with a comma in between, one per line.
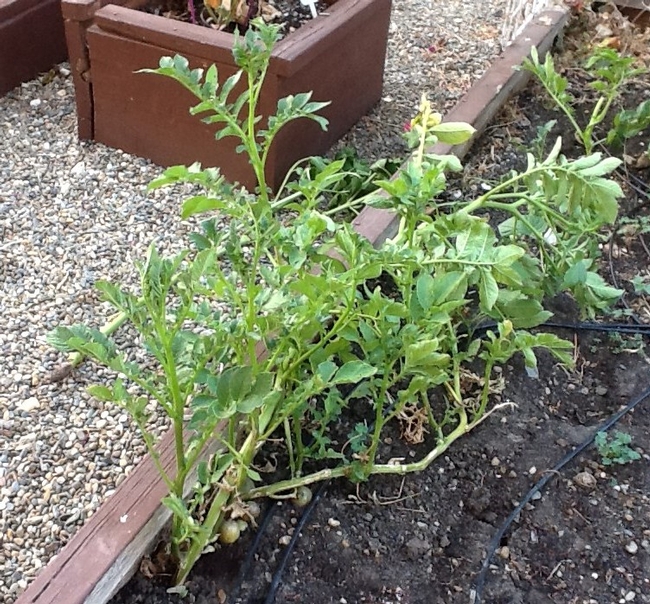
x=105, y=552
x=31, y=40
x=637, y=11
x=339, y=56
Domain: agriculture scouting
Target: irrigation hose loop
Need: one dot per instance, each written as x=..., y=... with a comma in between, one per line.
x=637, y=328
x=496, y=540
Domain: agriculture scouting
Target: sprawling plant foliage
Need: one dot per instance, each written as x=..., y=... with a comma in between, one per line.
x=610, y=72
x=276, y=318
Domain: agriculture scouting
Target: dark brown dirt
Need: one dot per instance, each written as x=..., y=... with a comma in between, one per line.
x=422, y=539
x=288, y=14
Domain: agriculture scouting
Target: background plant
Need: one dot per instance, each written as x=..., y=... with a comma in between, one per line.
x=610, y=72
x=360, y=179
x=276, y=318
x=225, y=13
x=615, y=449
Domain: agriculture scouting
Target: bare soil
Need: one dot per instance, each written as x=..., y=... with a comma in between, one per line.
x=290, y=15
x=422, y=539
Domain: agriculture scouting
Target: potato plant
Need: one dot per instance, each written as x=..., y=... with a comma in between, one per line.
x=275, y=318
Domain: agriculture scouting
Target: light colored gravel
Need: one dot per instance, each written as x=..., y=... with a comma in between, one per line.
x=72, y=213
x=436, y=48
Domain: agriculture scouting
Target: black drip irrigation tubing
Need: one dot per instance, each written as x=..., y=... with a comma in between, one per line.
x=479, y=584
x=286, y=556
x=248, y=560
x=496, y=540
x=637, y=328
x=636, y=184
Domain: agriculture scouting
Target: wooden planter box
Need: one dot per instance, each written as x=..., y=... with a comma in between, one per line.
x=31, y=40
x=106, y=551
x=339, y=56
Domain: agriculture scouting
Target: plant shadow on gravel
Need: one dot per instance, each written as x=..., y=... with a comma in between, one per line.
x=421, y=539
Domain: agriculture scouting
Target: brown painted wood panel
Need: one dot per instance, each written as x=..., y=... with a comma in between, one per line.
x=154, y=30
x=125, y=110
x=31, y=40
x=337, y=27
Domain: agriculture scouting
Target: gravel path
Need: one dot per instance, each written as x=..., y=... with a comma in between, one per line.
x=72, y=213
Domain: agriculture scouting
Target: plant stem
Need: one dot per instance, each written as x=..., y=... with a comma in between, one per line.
x=216, y=510
x=107, y=329
x=288, y=485
x=178, y=411
x=463, y=428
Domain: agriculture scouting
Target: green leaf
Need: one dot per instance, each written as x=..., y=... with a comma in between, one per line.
x=268, y=409
x=607, y=165
x=488, y=290
x=200, y=204
x=506, y=255
x=233, y=384
x=353, y=372
x=426, y=353
x=524, y=312
x=261, y=390
x=601, y=289
x=101, y=393
x=451, y=286
x=83, y=339
x=326, y=370
x=474, y=242
x=577, y=274
x=629, y=123
x=453, y=133
x=202, y=472
x=424, y=289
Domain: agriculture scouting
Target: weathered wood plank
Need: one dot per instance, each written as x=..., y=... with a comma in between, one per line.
x=640, y=5
x=101, y=542
x=105, y=551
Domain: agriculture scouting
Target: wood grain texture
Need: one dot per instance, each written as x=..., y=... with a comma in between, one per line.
x=140, y=115
x=105, y=550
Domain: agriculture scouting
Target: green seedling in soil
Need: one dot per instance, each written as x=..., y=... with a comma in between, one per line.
x=634, y=225
x=626, y=343
x=615, y=449
x=610, y=72
x=275, y=319
x=596, y=345
x=628, y=123
x=538, y=144
x=641, y=285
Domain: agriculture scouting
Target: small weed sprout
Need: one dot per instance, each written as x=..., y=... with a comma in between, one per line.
x=615, y=449
x=626, y=343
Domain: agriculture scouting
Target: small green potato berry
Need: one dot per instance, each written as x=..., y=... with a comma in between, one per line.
x=303, y=496
x=229, y=532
